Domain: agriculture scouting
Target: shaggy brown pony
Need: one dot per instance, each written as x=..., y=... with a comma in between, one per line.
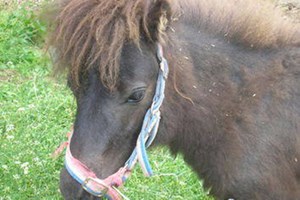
x=232, y=104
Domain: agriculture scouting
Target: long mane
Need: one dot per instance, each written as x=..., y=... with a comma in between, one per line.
x=253, y=23
x=91, y=33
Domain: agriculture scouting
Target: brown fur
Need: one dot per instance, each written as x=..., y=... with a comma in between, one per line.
x=241, y=73
x=253, y=23
x=92, y=32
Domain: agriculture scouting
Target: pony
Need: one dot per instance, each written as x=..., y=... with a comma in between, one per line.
x=232, y=97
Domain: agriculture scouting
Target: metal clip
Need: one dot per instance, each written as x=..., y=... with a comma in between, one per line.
x=164, y=68
x=96, y=181
x=159, y=53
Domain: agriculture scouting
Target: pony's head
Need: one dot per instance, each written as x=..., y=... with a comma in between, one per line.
x=109, y=50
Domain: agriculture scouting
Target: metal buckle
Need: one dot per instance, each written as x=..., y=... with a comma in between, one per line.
x=98, y=182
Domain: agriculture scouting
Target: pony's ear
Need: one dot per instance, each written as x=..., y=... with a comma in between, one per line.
x=157, y=19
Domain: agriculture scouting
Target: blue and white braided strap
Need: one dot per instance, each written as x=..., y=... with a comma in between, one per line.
x=151, y=120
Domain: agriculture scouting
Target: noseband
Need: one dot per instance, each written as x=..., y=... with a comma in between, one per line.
x=108, y=187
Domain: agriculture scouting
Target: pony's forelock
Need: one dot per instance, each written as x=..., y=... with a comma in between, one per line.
x=92, y=33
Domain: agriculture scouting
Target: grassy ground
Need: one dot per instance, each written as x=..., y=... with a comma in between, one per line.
x=37, y=110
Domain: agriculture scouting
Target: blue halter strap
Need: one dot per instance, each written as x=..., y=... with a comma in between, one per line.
x=151, y=119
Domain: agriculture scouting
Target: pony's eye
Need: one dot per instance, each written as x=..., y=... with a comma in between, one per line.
x=136, y=96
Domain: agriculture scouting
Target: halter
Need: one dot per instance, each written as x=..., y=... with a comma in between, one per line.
x=108, y=187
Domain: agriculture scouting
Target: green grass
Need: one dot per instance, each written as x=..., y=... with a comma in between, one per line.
x=35, y=113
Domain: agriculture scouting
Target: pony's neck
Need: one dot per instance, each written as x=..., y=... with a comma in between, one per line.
x=196, y=119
